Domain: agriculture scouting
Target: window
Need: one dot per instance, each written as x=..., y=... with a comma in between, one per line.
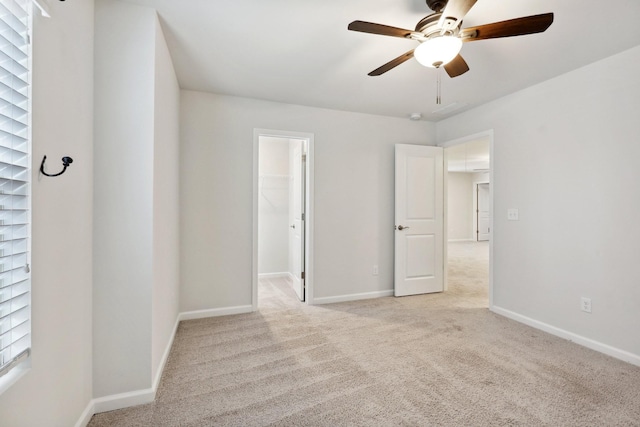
x=15, y=280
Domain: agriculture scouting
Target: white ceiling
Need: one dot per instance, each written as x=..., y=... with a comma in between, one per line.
x=300, y=51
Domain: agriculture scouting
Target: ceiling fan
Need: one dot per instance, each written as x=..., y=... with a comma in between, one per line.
x=441, y=36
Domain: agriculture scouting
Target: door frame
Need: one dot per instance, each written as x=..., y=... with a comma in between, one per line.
x=488, y=134
x=474, y=213
x=309, y=217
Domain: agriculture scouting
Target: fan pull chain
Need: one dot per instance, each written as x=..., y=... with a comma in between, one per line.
x=438, y=87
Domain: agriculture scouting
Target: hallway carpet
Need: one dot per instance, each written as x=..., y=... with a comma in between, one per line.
x=428, y=360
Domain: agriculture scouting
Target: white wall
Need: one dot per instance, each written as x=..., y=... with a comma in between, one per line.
x=566, y=155
x=166, y=183
x=273, y=206
x=459, y=206
x=123, y=200
x=57, y=388
x=353, y=195
x=135, y=199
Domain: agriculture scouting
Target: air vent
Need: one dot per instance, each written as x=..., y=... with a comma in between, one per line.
x=454, y=106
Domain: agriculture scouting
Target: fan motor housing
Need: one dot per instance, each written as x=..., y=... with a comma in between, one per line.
x=436, y=5
x=428, y=21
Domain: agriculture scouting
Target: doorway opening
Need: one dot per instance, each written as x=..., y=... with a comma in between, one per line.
x=282, y=218
x=469, y=193
x=482, y=212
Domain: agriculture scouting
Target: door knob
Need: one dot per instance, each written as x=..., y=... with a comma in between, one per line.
x=402, y=228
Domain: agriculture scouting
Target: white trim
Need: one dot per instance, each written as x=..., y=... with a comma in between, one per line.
x=460, y=240
x=255, y=215
x=17, y=372
x=475, y=208
x=165, y=355
x=353, y=297
x=309, y=222
x=309, y=212
x=123, y=400
x=274, y=275
x=215, y=312
x=623, y=355
x=445, y=221
x=492, y=215
x=133, y=398
x=140, y=397
x=468, y=138
x=86, y=415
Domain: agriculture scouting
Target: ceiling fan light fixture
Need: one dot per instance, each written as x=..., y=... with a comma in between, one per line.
x=438, y=51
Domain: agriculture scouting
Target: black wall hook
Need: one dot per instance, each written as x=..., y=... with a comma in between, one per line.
x=66, y=161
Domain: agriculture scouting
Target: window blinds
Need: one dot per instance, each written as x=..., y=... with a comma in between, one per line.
x=15, y=283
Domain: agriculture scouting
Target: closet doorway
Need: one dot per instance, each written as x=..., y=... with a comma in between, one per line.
x=283, y=195
x=469, y=223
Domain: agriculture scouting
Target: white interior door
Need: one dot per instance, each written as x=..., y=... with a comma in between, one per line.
x=483, y=211
x=419, y=218
x=296, y=215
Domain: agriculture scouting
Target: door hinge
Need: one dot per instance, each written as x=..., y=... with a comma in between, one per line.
x=302, y=275
x=303, y=217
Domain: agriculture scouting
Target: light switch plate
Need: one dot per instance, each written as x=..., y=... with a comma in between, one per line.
x=512, y=214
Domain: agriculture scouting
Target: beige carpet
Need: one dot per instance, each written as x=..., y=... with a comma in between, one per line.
x=431, y=360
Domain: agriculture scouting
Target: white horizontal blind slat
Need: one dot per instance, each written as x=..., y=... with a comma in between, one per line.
x=15, y=280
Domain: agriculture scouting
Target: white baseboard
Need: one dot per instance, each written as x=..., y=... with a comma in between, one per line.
x=165, y=356
x=123, y=400
x=140, y=397
x=352, y=297
x=115, y=401
x=273, y=275
x=214, y=312
x=133, y=398
x=623, y=355
x=86, y=415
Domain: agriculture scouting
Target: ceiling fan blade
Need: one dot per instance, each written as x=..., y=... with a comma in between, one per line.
x=453, y=13
x=384, y=30
x=512, y=27
x=456, y=67
x=392, y=64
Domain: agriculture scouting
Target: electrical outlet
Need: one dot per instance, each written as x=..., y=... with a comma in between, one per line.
x=585, y=304
x=512, y=214
x=375, y=270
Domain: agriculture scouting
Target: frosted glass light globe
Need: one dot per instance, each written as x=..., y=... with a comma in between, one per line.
x=438, y=51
